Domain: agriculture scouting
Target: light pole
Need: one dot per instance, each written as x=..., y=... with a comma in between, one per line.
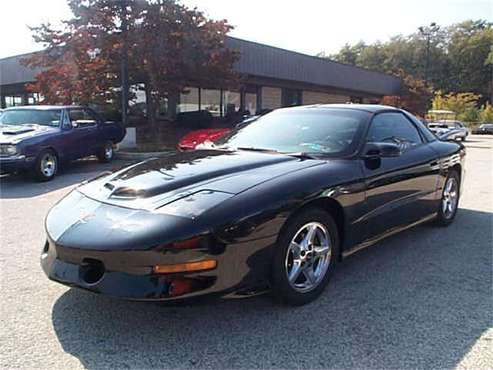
x=428, y=32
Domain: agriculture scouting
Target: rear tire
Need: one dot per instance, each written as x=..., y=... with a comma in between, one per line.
x=305, y=257
x=46, y=165
x=449, y=202
x=106, y=153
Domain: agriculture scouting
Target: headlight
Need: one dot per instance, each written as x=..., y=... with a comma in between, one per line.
x=7, y=149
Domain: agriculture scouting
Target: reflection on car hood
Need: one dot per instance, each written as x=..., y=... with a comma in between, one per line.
x=157, y=182
x=15, y=133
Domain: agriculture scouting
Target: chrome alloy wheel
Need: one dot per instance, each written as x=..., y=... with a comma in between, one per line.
x=308, y=257
x=450, y=197
x=48, y=165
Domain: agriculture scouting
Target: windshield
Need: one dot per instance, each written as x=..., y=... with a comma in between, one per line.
x=31, y=116
x=327, y=131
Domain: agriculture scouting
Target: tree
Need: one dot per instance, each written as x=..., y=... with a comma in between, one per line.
x=468, y=49
x=176, y=47
x=169, y=47
x=464, y=105
x=75, y=66
x=460, y=57
x=415, y=95
x=486, y=113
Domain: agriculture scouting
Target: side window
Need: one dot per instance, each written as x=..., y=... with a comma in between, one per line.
x=82, y=118
x=393, y=127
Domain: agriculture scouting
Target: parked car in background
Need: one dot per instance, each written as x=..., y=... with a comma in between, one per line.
x=196, y=137
x=275, y=203
x=38, y=138
x=485, y=128
x=449, y=130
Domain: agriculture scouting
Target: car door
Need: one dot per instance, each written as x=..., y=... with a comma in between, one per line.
x=399, y=190
x=85, y=125
x=67, y=141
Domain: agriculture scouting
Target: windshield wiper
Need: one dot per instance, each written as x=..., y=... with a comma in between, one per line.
x=302, y=155
x=252, y=149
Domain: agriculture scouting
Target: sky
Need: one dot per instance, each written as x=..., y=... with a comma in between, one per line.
x=306, y=26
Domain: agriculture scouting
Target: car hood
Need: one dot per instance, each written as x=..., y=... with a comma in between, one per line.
x=14, y=133
x=207, y=177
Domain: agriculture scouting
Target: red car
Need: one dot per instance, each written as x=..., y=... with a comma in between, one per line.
x=196, y=137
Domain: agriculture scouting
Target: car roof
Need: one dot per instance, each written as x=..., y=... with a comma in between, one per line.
x=43, y=107
x=371, y=108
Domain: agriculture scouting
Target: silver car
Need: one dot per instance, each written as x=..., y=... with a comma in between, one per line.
x=449, y=130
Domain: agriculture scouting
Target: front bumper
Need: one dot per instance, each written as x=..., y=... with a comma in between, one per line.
x=96, y=272
x=15, y=163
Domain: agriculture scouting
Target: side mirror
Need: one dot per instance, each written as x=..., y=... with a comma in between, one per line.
x=381, y=150
x=74, y=124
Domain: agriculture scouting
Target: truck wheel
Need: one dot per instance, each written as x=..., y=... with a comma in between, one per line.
x=106, y=153
x=46, y=165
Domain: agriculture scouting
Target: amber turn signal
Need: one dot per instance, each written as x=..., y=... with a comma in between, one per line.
x=185, y=267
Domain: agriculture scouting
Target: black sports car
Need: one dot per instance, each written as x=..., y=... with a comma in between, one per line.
x=274, y=204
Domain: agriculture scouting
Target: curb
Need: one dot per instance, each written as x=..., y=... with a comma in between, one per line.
x=141, y=155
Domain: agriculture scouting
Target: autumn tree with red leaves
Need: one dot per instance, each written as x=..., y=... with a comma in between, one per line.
x=169, y=47
x=415, y=96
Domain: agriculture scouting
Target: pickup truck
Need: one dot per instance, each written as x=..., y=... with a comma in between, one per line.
x=39, y=138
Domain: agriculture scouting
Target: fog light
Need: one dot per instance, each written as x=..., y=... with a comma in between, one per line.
x=185, y=267
x=180, y=287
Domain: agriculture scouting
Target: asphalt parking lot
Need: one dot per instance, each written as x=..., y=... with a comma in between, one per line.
x=421, y=299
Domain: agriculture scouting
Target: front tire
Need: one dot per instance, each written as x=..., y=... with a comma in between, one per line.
x=449, y=203
x=106, y=153
x=305, y=257
x=46, y=165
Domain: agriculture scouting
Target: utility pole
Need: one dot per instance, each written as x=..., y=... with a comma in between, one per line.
x=124, y=64
x=428, y=32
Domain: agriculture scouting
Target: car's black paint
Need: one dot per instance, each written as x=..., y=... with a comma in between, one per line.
x=234, y=204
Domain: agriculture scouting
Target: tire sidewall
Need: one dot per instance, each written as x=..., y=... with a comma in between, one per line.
x=102, y=154
x=441, y=219
x=280, y=283
x=38, y=173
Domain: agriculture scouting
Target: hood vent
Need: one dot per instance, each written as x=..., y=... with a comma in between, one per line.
x=126, y=192
x=16, y=130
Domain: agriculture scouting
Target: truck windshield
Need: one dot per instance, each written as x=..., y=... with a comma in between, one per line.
x=31, y=116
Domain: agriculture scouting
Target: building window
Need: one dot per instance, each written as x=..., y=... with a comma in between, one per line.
x=291, y=97
x=231, y=103
x=13, y=100
x=189, y=100
x=251, y=103
x=271, y=98
x=138, y=105
x=162, y=108
x=210, y=100
x=32, y=98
